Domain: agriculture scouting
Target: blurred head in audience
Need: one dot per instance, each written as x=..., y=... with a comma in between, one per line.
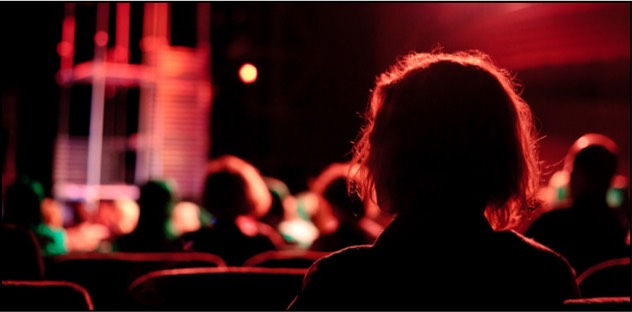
x=335, y=204
x=587, y=227
x=52, y=213
x=185, y=218
x=234, y=188
x=23, y=203
x=439, y=119
x=155, y=202
x=343, y=211
x=126, y=212
x=120, y=216
x=152, y=231
x=236, y=195
x=591, y=163
x=23, y=207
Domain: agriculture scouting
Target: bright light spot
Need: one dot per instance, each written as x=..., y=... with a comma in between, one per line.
x=614, y=197
x=298, y=230
x=248, y=73
x=101, y=38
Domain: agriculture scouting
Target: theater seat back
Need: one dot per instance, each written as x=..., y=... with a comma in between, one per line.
x=611, y=278
x=44, y=295
x=300, y=259
x=107, y=275
x=229, y=288
x=598, y=304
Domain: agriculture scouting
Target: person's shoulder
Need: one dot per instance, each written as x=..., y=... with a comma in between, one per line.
x=527, y=243
x=342, y=260
x=347, y=253
x=533, y=251
x=541, y=263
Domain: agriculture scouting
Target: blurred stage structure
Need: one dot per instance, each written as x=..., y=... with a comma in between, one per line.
x=173, y=82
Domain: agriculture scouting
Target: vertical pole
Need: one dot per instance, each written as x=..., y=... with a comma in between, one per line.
x=144, y=149
x=122, y=32
x=67, y=45
x=66, y=52
x=95, y=140
x=65, y=49
x=204, y=88
x=153, y=44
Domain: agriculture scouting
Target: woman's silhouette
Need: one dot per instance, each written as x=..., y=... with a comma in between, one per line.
x=436, y=120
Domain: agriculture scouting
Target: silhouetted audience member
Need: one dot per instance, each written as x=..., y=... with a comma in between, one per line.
x=437, y=120
x=152, y=234
x=21, y=254
x=346, y=209
x=235, y=195
x=23, y=207
x=585, y=231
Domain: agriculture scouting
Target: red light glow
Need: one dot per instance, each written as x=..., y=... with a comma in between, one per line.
x=64, y=49
x=248, y=73
x=101, y=38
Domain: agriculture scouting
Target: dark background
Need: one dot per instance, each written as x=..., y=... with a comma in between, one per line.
x=317, y=62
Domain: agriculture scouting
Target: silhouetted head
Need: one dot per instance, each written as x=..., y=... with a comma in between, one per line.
x=155, y=201
x=22, y=203
x=333, y=191
x=592, y=163
x=233, y=187
x=448, y=128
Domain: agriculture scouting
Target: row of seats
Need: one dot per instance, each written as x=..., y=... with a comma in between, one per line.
x=43, y=295
x=118, y=281
x=107, y=275
x=608, y=278
x=161, y=280
x=227, y=289
x=221, y=288
x=204, y=288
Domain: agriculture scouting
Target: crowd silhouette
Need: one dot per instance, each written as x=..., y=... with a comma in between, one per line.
x=385, y=230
